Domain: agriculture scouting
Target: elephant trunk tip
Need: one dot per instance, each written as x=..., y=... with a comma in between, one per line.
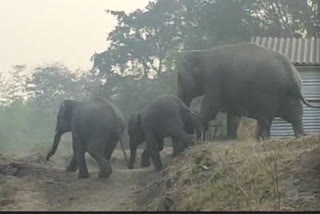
x=49, y=155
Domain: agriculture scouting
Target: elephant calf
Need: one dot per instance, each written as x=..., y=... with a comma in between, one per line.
x=96, y=127
x=166, y=116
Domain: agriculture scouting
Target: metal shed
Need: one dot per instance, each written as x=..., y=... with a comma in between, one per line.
x=305, y=55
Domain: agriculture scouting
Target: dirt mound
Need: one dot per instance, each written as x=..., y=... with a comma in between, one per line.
x=21, y=176
x=272, y=175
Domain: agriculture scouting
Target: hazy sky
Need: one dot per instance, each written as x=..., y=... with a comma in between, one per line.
x=34, y=32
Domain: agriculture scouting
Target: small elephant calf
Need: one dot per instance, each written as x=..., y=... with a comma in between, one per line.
x=96, y=127
x=167, y=116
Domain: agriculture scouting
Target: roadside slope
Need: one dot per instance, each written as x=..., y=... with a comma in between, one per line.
x=272, y=175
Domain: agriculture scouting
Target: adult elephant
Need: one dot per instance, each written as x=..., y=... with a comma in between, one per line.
x=96, y=127
x=243, y=80
x=166, y=116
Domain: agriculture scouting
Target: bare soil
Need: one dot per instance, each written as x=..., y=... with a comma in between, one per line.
x=29, y=183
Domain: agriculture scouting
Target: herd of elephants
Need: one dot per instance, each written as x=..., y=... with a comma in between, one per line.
x=241, y=79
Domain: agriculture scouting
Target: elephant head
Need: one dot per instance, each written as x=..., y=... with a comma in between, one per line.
x=63, y=124
x=136, y=137
x=194, y=124
x=189, y=77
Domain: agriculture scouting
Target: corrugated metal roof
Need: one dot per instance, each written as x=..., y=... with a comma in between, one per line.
x=299, y=51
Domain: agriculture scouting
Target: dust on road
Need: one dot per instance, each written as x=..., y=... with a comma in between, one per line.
x=37, y=185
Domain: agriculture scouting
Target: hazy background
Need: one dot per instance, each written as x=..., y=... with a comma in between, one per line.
x=40, y=31
x=35, y=34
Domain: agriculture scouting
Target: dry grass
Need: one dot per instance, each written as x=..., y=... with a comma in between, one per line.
x=8, y=190
x=247, y=129
x=242, y=176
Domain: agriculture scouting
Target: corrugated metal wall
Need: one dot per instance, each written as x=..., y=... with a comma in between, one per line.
x=311, y=116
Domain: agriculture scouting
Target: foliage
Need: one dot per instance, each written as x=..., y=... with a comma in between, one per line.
x=144, y=41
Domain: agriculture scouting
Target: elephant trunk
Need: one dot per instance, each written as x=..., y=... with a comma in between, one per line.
x=184, y=98
x=54, y=147
x=133, y=152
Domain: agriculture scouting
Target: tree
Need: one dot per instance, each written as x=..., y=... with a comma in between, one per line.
x=144, y=40
x=50, y=84
x=14, y=87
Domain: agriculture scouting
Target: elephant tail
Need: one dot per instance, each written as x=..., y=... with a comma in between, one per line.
x=123, y=150
x=306, y=102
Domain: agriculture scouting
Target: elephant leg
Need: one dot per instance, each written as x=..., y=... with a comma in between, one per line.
x=145, y=158
x=181, y=140
x=177, y=145
x=297, y=126
x=266, y=131
x=208, y=110
x=161, y=144
x=232, y=126
x=187, y=140
x=263, y=129
x=109, y=149
x=79, y=152
x=72, y=167
x=95, y=149
x=152, y=147
x=83, y=170
x=298, y=129
x=259, y=131
x=293, y=115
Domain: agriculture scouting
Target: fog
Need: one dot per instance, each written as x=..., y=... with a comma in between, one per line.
x=39, y=31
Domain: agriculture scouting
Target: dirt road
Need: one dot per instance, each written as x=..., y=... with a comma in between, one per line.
x=39, y=185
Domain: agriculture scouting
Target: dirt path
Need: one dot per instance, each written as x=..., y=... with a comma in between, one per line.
x=106, y=195
x=45, y=186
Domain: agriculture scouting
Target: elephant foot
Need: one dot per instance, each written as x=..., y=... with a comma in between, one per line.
x=105, y=172
x=145, y=163
x=230, y=138
x=83, y=175
x=71, y=168
x=145, y=160
x=263, y=138
x=159, y=168
x=175, y=154
x=301, y=135
x=178, y=151
x=130, y=166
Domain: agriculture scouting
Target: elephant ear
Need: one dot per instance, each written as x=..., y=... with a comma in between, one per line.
x=192, y=62
x=189, y=72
